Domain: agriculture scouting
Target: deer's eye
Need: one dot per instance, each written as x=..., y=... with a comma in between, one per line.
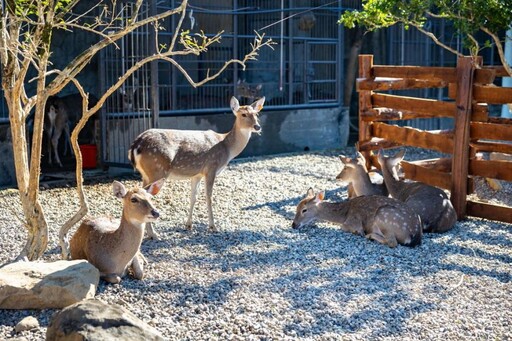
x=304, y=210
x=244, y=115
x=134, y=200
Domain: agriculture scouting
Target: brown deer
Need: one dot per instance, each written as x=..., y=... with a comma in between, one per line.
x=431, y=203
x=385, y=220
x=186, y=154
x=113, y=247
x=354, y=173
x=56, y=121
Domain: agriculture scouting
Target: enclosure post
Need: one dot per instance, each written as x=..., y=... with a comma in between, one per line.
x=365, y=102
x=460, y=160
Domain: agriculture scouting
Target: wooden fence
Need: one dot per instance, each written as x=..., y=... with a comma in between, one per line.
x=470, y=89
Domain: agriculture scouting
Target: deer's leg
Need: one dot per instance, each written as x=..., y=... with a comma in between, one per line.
x=210, y=179
x=55, y=144
x=49, y=145
x=68, y=140
x=111, y=278
x=137, y=266
x=149, y=226
x=193, y=195
x=379, y=237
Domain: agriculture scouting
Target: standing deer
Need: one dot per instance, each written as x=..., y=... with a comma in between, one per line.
x=354, y=173
x=189, y=154
x=56, y=121
x=431, y=203
x=385, y=220
x=114, y=248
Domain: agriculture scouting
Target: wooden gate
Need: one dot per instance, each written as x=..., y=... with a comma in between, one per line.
x=471, y=90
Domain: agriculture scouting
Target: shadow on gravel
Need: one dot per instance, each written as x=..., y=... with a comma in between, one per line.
x=333, y=281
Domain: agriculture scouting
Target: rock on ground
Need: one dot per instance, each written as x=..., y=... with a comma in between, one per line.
x=95, y=320
x=39, y=285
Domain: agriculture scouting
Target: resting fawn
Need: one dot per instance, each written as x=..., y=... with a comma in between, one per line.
x=385, y=220
x=111, y=247
x=187, y=154
x=354, y=173
x=431, y=203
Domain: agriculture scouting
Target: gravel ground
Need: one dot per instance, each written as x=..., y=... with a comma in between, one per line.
x=257, y=279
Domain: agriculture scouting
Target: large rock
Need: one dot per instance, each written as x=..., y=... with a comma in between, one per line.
x=94, y=320
x=35, y=285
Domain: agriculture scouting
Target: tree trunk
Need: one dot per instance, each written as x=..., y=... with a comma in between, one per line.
x=35, y=224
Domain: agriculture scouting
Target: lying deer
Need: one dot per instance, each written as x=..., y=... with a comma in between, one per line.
x=186, y=154
x=431, y=203
x=56, y=121
x=385, y=220
x=354, y=173
x=114, y=248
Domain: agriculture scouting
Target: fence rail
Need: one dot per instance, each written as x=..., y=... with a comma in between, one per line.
x=470, y=89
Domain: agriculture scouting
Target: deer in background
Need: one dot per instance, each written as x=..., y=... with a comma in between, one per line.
x=113, y=247
x=56, y=121
x=354, y=173
x=192, y=154
x=430, y=203
x=385, y=220
x=245, y=90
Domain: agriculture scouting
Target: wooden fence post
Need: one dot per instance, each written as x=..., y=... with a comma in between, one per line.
x=365, y=102
x=460, y=160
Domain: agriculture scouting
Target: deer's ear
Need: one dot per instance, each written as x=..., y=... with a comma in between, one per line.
x=310, y=193
x=234, y=104
x=319, y=197
x=258, y=105
x=118, y=189
x=155, y=187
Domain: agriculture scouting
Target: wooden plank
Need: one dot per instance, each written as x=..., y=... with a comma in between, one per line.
x=492, y=94
x=384, y=84
x=501, y=170
x=365, y=100
x=427, y=175
x=499, y=70
x=414, y=137
x=484, y=76
x=491, y=212
x=447, y=74
x=491, y=131
x=460, y=148
x=444, y=74
x=391, y=114
x=500, y=120
x=412, y=104
x=375, y=143
x=439, y=164
x=484, y=146
x=480, y=112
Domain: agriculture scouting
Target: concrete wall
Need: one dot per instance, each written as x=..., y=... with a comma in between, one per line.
x=282, y=131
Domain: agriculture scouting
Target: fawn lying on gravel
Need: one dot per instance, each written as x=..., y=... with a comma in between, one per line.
x=187, y=154
x=386, y=220
x=111, y=247
x=354, y=173
x=431, y=203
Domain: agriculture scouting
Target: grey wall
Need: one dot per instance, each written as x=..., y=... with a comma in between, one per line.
x=282, y=131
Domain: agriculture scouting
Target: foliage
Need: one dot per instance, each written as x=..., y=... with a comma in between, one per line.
x=493, y=17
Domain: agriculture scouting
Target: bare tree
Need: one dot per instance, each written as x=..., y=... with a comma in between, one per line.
x=26, y=30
